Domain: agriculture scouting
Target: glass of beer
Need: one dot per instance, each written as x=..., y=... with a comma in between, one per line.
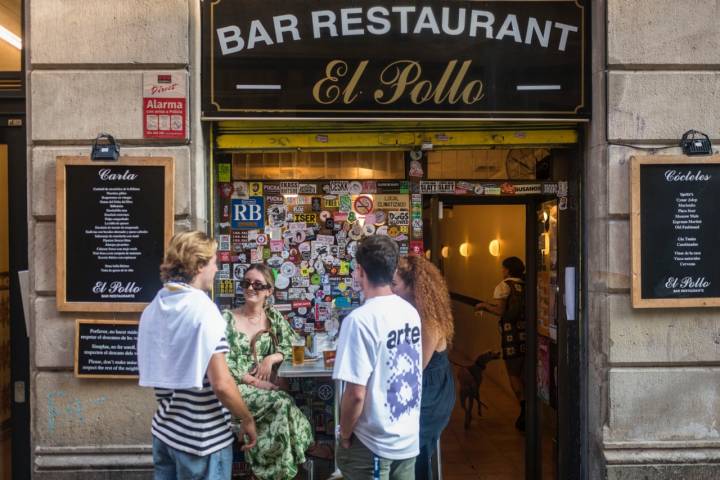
x=329, y=355
x=298, y=351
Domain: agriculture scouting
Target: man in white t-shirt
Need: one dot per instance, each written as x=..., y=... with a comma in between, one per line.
x=379, y=357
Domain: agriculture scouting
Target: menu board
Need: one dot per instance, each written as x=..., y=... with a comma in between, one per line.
x=106, y=348
x=113, y=222
x=676, y=231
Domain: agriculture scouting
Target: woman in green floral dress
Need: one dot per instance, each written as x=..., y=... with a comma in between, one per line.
x=284, y=433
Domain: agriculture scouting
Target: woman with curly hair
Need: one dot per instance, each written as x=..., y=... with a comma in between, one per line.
x=420, y=282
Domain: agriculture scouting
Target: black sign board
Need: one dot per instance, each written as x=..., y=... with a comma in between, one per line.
x=676, y=231
x=106, y=348
x=114, y=220
x=394, y=59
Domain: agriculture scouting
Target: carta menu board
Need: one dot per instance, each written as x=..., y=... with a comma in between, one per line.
x=113, y=224
x=676, y=231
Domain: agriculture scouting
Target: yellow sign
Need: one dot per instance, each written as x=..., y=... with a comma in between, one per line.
x=394, y=202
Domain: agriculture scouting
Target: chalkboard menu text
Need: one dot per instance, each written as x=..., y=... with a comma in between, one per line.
x=106, y=348
x=114, y=220
x=676, y=231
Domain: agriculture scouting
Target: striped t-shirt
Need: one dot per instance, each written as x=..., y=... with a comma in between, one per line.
x=193, y=420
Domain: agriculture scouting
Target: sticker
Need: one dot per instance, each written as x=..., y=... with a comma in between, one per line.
x=380, y=218
x=492, y=190
x=368, y=229
x=369, y=186
x=298, y=236
x=355, y=187
x=342, y=302
x=330, y=224
x=416, y=247
x=370, y=218
x=331, y=201
x=363, y=205
x=340, y=216
x=224, y=172
x=289, y=188
x=404, y=228
x=326, y=239
x=298, y=323
x=306, y=217
x=275, y=199
x=399, y=217
x=275, y=261
x=392, y=187
x=562, y=189
x=382, y=230
x=226, y=190
x=261, y=239
x=392, y=202
x=307, y=188
x=352, y=250
x=430, y=187
x=225, y=288
x=255, y=188
x=276, y=246
x=271, y=188
x=316, y=204
x=324, y=215
x=240, y=190
x=224, y=243
x=342, y=287
x=304, y=271
x=351, y=217
x=304, y=247
x=393, y=231
x=356, y=232
x=345, y=203
x=336, y=187
x=239, y=270
x=247, y=213
x=528, y=189
x=282, y=282
x=344, y=268
x=550, y=188
x=479, y=190
x=416, y=169
x=563, y=203
x=277, y=215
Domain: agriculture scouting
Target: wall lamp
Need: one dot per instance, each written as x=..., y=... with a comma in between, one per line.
x=464, y=249
x=494, y=248
x=9, y=37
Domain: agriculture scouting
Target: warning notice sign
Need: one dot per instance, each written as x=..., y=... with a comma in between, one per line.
x=164, y=105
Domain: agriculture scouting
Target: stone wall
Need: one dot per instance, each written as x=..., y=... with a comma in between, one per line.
x=654, y=382
x=85, y=62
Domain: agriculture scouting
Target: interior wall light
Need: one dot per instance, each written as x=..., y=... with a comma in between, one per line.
x=465, y=249
x=445, y=251
x=494, y=248
x=9, y=37
x=428, y=254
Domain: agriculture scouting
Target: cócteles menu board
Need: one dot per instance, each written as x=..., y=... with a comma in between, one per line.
x=114, y=220
x=676, y=231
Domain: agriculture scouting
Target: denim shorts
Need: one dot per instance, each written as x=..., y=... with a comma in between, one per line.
x=173, y=464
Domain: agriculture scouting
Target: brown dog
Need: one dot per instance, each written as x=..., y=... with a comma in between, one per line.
x=470, y=378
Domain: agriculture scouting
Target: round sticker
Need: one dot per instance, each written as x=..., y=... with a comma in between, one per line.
x=298, y=323
x=330, y=224
x=285, y=254
x=319, y=294
x=299, y=236
x=261, y=239
x=393, y=231
x=351, y=250
x=382, y=230
x=325, y=392
x=380, y=217
x=324, y=215
x=282, y=282
x=288, y=269
x=368, y=229
x=363, y=205
x=342, y=287
x=356, y=232
x=302, y=310
x=355, y=188
x=315, y=279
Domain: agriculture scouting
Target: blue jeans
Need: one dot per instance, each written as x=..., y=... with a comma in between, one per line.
x=173, y=464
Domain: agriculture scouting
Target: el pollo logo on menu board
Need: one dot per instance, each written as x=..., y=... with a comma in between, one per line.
x=450, y=58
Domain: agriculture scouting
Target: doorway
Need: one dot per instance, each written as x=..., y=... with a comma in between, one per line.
x=14, y=348
x=473, y=237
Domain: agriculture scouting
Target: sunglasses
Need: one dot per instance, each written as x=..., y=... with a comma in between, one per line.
x=256, y=285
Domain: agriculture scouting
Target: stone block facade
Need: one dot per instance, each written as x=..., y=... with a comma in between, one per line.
x=657, y=414
x=85, y=65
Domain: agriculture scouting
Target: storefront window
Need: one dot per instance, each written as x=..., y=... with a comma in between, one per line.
x=380, y=165
x=10, y=35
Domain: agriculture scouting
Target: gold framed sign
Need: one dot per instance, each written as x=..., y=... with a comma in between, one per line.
x=675, y=231
x=106, y=349
x=114, y=220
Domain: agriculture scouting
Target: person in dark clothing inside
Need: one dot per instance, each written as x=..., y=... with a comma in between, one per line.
x=509, y=305
x=420, y=282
